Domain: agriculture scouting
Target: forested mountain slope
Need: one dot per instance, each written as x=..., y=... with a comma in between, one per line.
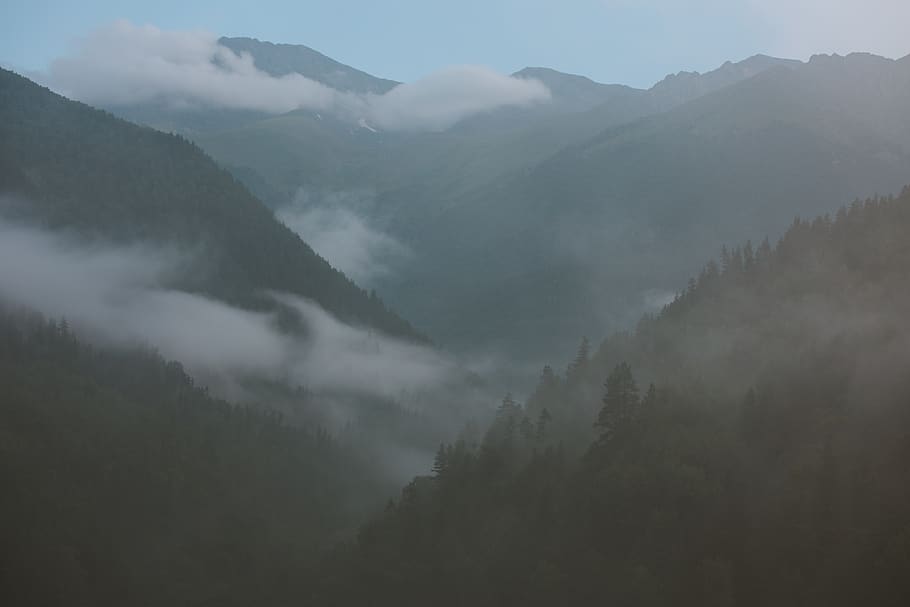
x=126, y=484
x=66, y=165
x=746, y=446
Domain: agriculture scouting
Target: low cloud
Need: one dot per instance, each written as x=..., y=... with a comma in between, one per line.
x=335, y=225
x=119, y=296
x=441, y=99
x=123, y=64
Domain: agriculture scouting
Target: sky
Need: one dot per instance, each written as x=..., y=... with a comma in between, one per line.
x=634, y=42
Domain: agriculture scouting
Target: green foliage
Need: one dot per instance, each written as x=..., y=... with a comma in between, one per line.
x=621, y=403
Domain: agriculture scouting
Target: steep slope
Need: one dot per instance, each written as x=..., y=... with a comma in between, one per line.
x=67, y=165
x=766, y=466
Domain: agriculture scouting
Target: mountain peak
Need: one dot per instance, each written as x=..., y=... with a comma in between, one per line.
x=682, y=86
x=283, y=59
x=573, y=91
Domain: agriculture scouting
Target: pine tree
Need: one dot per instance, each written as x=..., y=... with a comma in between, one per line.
x=441, y=461
x=543, y=420
x=578, y=366
x=621, y=402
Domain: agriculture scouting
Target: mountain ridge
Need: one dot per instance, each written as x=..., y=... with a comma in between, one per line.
x=136, y=183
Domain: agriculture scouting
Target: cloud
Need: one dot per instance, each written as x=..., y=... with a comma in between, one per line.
x=123, y=64
x=119, y=296
x=342, y=235
x=439, y=100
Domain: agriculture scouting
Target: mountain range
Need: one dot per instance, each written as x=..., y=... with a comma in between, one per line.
x=574, y=197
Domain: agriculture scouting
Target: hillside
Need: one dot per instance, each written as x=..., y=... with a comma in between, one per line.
x=126, y=483
x=66, y=165
x=748, y=447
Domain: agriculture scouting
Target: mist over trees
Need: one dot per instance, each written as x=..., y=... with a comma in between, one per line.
x=726, y=452
x=212, y=392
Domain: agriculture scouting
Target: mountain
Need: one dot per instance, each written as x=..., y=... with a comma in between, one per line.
x=679, y=88
x=572, y=91
x=274, y=59
x=748, y=447
x=283, y=59
x=66, y=165
x=542, y=217
x=308, y=149
x=562, y=244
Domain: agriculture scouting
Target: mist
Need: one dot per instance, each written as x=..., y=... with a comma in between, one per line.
x=336, y=226
x=119, y=296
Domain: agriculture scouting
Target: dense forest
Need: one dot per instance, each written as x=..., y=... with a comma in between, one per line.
x=70, y=166
x=124, y=483
x=746, y=446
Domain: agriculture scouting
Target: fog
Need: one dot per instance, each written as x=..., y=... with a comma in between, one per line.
x=335, y=225
x=119, y=296
x=123, y=64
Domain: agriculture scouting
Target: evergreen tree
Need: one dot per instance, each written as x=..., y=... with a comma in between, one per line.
x=543, y=420
x=580, y=363
x=620, y=403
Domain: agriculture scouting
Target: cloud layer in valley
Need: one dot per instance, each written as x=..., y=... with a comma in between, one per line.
x=123, y=64
x=118, y=296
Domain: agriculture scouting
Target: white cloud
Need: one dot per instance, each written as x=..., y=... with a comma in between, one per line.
x=439, y=100
x=122, y=64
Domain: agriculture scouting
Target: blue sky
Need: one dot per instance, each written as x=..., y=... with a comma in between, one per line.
x=629, y=41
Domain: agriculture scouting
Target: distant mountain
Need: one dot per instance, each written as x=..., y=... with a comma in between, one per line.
x=283, y=59
x=307, y=149
x=67, y=165
x=511, y=213
x=584, y=239
x=573, y=92
x=274, y=59
x=678, y=88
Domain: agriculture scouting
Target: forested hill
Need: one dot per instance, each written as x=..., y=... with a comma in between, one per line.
x=67, y=165
x=126, y=484
x=746, y=446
